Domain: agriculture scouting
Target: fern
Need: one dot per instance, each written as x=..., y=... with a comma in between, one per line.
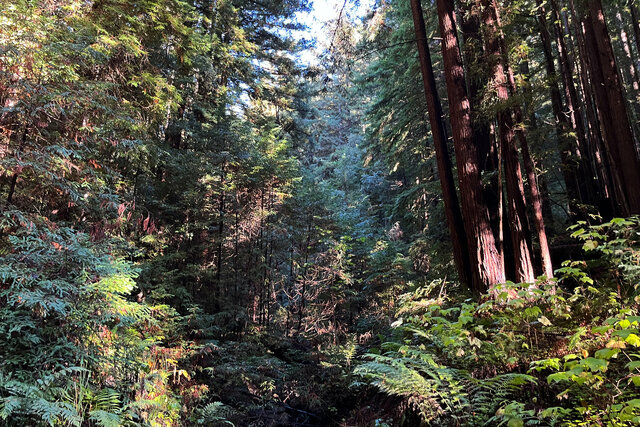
x=487, y=396
x=431, y=389
x=8, y=406
x=105, y=418
x=435, y=390
x=215, y=413
x=66, y=304
x=53, y=412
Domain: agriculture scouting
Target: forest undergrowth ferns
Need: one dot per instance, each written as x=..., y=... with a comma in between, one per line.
x=562, y=352
x=74, y=349
x=599, y=374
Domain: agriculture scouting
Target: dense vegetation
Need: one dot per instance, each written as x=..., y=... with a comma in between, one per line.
x=433, y=222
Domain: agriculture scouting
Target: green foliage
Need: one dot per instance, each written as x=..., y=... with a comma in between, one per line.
x=439, y=392
x=615, y=245
x=170, y=178
x=398, y=139
x=197, y=228
x=605, y=382
x=73, y=345
x=213, y=414
x=457, y=361
x=430, y=365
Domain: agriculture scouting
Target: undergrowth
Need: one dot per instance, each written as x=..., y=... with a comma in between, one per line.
x=561, y=351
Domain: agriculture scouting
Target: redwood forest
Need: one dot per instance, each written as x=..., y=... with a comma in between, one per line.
x=314, y=213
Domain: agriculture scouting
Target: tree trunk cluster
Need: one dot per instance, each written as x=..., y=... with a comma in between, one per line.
x=594, y=121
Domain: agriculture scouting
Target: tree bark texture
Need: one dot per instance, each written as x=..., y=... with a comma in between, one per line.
x=517, y=209
x=485, y=258
x=445, y=165
x=611, y=106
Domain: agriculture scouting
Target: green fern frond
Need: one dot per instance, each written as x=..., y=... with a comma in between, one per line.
x=106, y=400
x=430, y=388
x=9, y=405
x=488, y=395
x=105, y=418
x=215, y=413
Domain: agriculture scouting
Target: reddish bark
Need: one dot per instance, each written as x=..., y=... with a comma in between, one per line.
x=434, y=107
x=631, y=70
x=598, y=158
x=517, y=211
x=581, y=187
x=482, y=132
x=611, y=106
x=562, y=124
x=529, y=165
x=485, y=259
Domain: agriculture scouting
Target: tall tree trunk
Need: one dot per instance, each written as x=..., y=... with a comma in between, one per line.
x=219, y=292
x=517, y=211
x=236, y=254
x=562, y=124
x=611, y=104
x=578, y=175
x=260, y=261
x=485, y=258
x=303, y=290
x=604, y=117
x=632, y=66
x=599, y=161
x=545, y=201
x=536, y=206
x=629, y=75
x=451, y=204
x=268, y=263
x=482, y=132
x=529, y=165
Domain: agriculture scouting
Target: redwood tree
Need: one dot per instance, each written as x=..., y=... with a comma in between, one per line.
x=612, y=109
x=515, y=190
x=451, y=204
x=485, y=257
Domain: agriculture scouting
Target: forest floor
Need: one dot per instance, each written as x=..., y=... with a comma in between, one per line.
x=265, y=380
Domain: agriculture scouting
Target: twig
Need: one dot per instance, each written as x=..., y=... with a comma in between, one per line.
x=344, y=4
